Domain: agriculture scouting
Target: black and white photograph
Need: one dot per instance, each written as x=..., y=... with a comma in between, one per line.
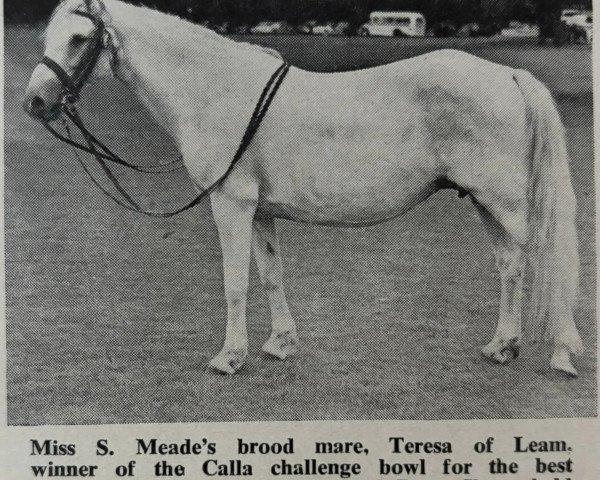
x=291, y=210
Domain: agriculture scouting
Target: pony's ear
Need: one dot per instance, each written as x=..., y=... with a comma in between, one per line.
x=112, y=45
x=95, y=6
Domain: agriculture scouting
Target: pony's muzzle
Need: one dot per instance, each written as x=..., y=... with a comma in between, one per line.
x=43, y=95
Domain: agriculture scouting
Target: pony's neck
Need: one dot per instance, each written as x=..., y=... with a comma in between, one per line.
x=180, y=70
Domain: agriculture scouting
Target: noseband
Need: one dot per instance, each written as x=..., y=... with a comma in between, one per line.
x=72, y=84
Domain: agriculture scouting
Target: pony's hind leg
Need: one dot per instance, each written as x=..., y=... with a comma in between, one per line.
x=284, y=339
x=510, y=259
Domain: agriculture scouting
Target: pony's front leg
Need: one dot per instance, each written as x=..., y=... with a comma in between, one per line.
x=234, y=222
x=284, y=339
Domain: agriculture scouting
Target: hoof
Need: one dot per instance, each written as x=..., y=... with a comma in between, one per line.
x=502, y=351
x=561, y=360
x=281, y=344
x=229, y=361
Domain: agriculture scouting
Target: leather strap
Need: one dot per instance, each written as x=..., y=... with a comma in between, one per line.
x=262, y=106
x=63, y=76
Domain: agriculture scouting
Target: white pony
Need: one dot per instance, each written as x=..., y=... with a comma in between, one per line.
x=345, y=149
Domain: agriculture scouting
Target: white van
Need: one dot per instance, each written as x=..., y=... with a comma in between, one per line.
x=585, y=21
x=579, y=18
x=567, y=13
x=394, y=24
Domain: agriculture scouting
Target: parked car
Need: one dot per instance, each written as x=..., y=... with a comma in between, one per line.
x=520, y=29
x=323, y=29
x=269, y=27
x=266, y=27
x=341, y=29
x=285, y=28
x=469, y=30
x=307, y=27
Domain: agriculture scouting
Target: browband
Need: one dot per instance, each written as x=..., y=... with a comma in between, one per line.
x=86, y=15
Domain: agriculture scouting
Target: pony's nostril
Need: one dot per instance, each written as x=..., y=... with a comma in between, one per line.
x=37, y=106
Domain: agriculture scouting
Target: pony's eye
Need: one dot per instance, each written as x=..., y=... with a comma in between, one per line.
x=77, y=40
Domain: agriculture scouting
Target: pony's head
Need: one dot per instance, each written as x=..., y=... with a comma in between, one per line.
x=78, y=44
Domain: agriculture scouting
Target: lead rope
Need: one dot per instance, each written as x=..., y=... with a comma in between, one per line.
x=70, y=111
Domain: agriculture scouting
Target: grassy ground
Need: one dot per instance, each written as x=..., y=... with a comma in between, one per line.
x=113, y=317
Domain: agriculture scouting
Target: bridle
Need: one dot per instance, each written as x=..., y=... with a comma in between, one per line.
x=72, y=85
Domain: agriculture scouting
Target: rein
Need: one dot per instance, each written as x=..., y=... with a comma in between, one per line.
x=69, y=110
x=72, y=86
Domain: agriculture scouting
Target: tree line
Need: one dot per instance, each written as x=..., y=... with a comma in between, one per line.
x=295, y=12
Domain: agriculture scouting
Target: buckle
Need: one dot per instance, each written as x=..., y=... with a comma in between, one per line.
x=69, y=99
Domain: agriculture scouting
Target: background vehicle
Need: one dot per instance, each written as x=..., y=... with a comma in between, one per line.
x=520, y=29
x=322, y=29
x=307, y=27
x=469, y=30
x=341, y=28
x=266, y=27
x=394, y=24
x=567, y=13
x=580, y=24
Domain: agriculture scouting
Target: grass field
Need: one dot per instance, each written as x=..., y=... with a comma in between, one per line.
x=112, y=317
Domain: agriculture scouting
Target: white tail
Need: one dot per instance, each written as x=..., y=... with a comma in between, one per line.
x=552, y=207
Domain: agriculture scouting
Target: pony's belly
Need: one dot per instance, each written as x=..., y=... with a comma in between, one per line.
x=330, y=218
x=345, y=206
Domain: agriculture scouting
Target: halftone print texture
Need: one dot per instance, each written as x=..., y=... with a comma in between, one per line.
x=114, y=318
